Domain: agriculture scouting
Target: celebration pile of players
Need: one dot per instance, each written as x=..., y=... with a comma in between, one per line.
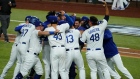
x=61, y=38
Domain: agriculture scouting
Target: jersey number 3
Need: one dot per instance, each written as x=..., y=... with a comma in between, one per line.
x=95, y=37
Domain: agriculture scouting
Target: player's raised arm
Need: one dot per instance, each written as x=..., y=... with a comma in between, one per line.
x=68, y=18
x=106, y=8
x=18, y=28
x=106, y=11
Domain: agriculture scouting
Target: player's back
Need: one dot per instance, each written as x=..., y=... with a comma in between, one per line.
x=18, y=36
x=59, y=38
x=26, y=32
x=35, y=44
x=72, y=38
x=95, y=37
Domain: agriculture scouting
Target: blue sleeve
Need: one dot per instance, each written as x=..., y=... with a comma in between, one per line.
x=106, y=17
x=73, y=18
x=107, y=34
x=61, y=22
x=69, y=20
x=18, y=28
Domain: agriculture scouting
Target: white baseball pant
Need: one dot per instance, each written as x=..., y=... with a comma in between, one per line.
x=46, y=60
x=75, y=55
x=95, y=57
x=58, y=61
x=31, y=61
x=118, y=62
x=112, y=73
x=22, y=49
x=13, y=58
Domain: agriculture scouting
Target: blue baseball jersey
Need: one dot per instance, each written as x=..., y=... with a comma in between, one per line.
x=81, y=28
x=110, y=48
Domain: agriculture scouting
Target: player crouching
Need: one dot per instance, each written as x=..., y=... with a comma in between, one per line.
x=31, y=59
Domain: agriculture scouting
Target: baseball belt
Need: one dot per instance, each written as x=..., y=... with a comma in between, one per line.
x=37, y=54
x=23, y=42
x=95, y=49
x=58, y=46
x=71, y=49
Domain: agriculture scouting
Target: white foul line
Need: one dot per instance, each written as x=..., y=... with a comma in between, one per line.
x=123, y=48
x=130, y=53
x=17, y=21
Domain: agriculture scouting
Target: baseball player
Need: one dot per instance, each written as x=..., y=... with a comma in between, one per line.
x=31, y=58
x=84, y=22
x=73, y=51
x=78, y=26
x=72, y=72
x=95, y=52
x=45, y=51
x=23, y=44
x=57, y=44
x=14, y=54
x=112, y=55
x=46, y=48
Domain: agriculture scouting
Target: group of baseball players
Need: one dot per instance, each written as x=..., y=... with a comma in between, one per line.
x=61, y=38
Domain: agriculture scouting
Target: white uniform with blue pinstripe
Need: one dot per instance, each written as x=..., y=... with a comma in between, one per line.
x=73, y=52
x=95, y=52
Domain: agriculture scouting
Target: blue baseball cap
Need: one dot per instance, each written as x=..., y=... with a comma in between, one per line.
x=33, y=20
x=84, y=18
x=28, y=18
x=38, y=23
x=52, y=19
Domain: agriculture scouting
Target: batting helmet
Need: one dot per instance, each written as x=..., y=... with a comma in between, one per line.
x=35, y=21
x=28, y=18
x=84, y=18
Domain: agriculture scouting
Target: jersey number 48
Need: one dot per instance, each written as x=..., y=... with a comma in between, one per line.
x=95, y=37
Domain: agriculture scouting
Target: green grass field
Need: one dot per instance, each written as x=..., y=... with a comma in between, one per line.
x=132, y=64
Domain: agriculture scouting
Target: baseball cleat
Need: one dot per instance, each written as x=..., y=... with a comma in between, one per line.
x=119, y=8
x=114, y=8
